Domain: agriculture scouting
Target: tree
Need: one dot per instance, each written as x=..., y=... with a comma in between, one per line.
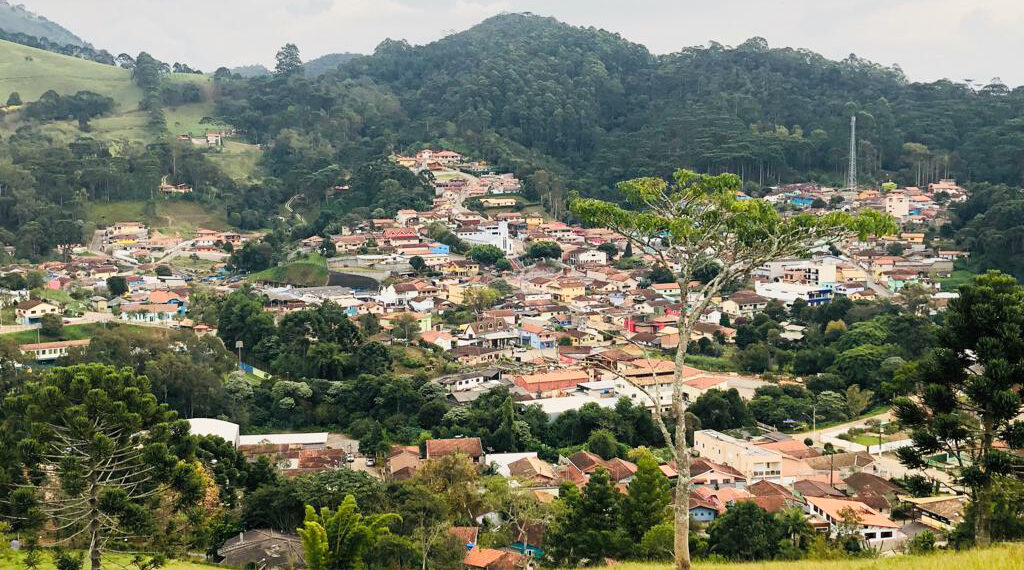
x=646, y=503
x=454, y=479
x=51, y=325
x=609, y=249
x=369, y=323
x=417, y=264
x=163, y=271
x=970, y=391
x=721, y=411
x=587, y=526
x=486, y=254
x=288, y=60
x=696, y=222
x=480, y=298
x=858, y=400
x=336, y=540
x=97, y=448
x=545, y=250
x=745, y=532
x=13, y=99
x=117, y=285
x=405, y=327
x=603, y=443
x=794, y=526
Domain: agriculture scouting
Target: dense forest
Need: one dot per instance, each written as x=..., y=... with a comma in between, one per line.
x=590, y=108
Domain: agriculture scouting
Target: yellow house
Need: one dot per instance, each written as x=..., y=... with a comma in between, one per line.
x=912, y=237
x=566, y=289
x=533, y=220
x=499, y=202
x=460, y=268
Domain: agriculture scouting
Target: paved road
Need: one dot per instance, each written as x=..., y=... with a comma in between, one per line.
x=837, y=429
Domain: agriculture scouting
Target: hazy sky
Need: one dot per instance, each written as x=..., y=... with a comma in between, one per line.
x=929, y=39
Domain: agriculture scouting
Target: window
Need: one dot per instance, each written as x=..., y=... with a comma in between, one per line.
x=869, y=535
x=886, y=534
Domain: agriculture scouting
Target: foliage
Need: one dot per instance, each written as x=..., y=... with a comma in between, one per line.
x=587, y=529
x=969, y=394
x=337, y=540
x=745, y=532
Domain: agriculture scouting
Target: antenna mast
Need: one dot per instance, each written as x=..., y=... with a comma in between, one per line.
x=851, y=176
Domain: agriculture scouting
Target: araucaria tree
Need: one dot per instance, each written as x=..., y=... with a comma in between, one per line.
x=969, y=395
x=94, y=447
x=697, y=222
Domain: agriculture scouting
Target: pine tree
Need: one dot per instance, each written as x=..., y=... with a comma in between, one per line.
x=970, y=395
x=587, y=528
x=646, y=504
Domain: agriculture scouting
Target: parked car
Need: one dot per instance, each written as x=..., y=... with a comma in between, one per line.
x=370, y=462
x=350, y=458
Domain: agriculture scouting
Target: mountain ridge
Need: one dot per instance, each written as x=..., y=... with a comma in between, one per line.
x=18, y=19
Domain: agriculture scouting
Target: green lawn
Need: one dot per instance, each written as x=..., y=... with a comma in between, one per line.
x=173, y=216
x=308, y=272
x=31, y=72
x=61, y=297
x=70, y=332
x=113, y=561
x=238, y=160
x=958, y=278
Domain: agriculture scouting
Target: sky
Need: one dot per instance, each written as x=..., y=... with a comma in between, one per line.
x=929, y=39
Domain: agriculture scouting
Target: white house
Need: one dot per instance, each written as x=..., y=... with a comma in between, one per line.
x=874, y=526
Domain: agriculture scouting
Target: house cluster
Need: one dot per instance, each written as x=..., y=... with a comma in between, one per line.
x=135, y=240
x=910, y=204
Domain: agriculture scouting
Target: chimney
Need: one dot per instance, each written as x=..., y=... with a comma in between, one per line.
x=241, y=537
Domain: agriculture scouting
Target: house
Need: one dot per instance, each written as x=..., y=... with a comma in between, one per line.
x=872, y=525
x=467, y=535
x=536, y=336
x=494, y=559
x=263, y=548
x=470, y=355
x=941, y=513
x=32, y=312
x=469, y=380
x=49, y=351
x=469, y=446
x=753, y=462
x=789, y=292
x=553, y=381
x=702, y=510
x=402, y=462
x=744, y=304
x=149, y=312
x=703, y=471
x=499, y=202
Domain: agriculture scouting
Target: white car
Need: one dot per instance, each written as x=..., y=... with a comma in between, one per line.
x=370, y=462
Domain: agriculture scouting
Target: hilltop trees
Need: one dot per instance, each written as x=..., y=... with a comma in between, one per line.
x=288, y=60
x=698, y=221
x=970, y=393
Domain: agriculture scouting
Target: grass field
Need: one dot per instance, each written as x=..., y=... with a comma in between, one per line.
x=31, y=72
x=180, y=217
x=308, y=272
x=238, y=160
x=70, y=332
x=1002, y=557
x=958, y=278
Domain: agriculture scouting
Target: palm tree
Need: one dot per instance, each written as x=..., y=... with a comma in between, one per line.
x=794, y=525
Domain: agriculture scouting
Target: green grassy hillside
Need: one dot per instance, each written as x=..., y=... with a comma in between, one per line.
x=308, y=272
x=31, y=72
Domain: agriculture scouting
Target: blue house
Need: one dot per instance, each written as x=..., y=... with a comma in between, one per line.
x=536, y=336
x=440, y=248
x=802, y=200
x=701, y=510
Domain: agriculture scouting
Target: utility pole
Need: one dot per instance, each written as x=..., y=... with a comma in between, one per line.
x=851, y=176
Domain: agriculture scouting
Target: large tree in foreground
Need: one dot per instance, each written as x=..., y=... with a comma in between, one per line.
x=94, y=448
x=969, y=391
x=697, y=222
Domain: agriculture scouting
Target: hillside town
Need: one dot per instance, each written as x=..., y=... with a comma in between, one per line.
x=564, y=318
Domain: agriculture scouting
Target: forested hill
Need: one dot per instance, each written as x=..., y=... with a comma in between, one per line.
x=531, y=92
x=15, y=19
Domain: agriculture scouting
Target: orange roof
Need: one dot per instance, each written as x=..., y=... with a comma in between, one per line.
x=553, y=376
x=468, y=445
x=865, y=514
x=664, y=286
x=55, y=344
